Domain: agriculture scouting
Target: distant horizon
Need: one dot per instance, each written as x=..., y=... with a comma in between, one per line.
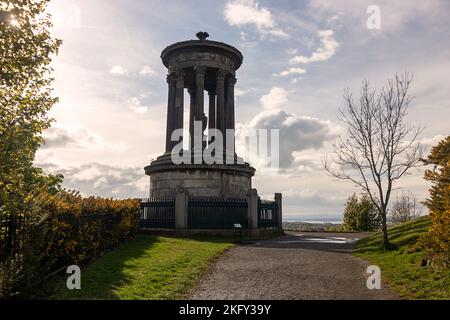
x=312, y=218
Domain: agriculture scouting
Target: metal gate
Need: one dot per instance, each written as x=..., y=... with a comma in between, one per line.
x=216, y=213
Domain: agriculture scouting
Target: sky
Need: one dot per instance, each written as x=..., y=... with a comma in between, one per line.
x=299, y=57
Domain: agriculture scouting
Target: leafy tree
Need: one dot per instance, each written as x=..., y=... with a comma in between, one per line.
x=351, y=213
x=438, y=203
x=26, y=48
x=360, y=214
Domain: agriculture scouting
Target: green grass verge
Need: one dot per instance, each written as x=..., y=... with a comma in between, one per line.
x=147, y=267
x=402, y=268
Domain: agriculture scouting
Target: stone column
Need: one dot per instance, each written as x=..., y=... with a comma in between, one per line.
x=179, y=101
x=279, y=202
x=199, y=100
x=212, y=112
x=229, y=123
x=212, y=109
x=191, y=116
x=230, y=103
x=220, y=92
x=170, y=112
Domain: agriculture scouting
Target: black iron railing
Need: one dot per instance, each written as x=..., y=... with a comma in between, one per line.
x=158, y=212
x=217, y=213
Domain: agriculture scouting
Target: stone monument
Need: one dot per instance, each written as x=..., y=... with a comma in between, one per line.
x=198, y=66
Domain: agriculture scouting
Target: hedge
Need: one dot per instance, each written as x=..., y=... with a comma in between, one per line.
x=61, y=230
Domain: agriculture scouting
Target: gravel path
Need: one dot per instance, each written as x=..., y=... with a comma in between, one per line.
x=294, y=266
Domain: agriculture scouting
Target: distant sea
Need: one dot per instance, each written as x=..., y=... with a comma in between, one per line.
x=333, y=219
x=316, y=221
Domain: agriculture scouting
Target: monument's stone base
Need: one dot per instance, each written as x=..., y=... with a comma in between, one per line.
x=199, y=183
x=199, y=180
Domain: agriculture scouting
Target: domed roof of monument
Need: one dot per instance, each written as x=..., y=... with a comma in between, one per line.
x=202, y=44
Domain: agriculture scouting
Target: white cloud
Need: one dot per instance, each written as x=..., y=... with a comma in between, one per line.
x=395, y=15
x=147, y=71
x=296, y=133
x=118, y=70
x=240, y=92
x=296, y=80
x=289, y=72
x=248, y=12
x=310, y=198
x=325, y=52
x=430, y=142
x=75, y=136
x=102, y=180
x=275, y=98
x=135, y=105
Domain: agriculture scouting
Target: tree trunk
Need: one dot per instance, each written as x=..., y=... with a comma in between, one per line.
x=385, y=244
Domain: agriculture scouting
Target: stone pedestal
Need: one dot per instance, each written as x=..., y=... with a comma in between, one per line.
x=228, y=181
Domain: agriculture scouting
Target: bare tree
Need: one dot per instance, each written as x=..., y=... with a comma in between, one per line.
x=380, y=146
x=404, y=208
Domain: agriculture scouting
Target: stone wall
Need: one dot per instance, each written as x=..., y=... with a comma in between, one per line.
x=204, y=182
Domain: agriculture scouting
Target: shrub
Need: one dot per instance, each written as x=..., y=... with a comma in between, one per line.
x=71, y=230
x=360, y=214
x=438, y=237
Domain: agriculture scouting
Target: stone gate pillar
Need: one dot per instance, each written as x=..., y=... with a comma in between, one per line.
x=181, y=210
x=252, y=209
x=279, y=202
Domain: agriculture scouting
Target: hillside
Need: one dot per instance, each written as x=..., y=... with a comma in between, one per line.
x=403, y=268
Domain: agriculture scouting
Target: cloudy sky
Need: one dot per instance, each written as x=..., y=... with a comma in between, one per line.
x=299, y=56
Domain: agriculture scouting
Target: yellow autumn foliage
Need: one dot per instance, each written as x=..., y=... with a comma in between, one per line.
x=438, y=203
x=81, y=229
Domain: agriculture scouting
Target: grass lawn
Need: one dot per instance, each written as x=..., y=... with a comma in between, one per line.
x=147, y=267
x=402, y=268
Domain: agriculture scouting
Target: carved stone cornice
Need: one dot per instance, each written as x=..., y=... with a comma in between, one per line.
x=200, y=71
x=221, y=74
x=232, y=81
x=171, y=78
